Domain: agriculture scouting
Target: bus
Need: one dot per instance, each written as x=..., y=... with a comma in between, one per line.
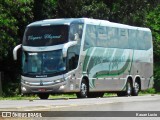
x=88, y=57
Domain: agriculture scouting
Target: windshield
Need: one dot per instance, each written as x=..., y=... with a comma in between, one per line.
x=43, y=63
x=45, y=35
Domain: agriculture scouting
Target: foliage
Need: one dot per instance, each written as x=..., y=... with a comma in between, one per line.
x=149, y=91
x=130, y=12
x=44, y=9
x=157, y=77
x=122, y=11
x=14, y=16
x=153, y=21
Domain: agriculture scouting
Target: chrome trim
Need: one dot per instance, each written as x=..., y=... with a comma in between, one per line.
x=40, y=49
x=66, y=46
x=43, y=79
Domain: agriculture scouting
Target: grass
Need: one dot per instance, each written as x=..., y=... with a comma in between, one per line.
x=18, y=97
x=30, y=97
x=148, y=91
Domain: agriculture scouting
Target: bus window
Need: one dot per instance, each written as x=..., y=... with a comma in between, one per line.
x=140, y=40
x=45, y=35
x=112, y=37
x=102, y=36
x=75, y=32
x=132, y=39
x=73, y=57
x=123, y=38
x=90, y=37
x=147, y=38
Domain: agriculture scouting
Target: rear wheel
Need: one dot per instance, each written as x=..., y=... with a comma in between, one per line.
x=83, y=90
x=136, y=89
x=128, y=90
x=43, y=95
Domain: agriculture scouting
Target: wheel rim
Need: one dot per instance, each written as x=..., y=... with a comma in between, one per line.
x=129, y=89
x=136, y=87
x=84, y=89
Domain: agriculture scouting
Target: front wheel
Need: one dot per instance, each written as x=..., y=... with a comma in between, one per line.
x=83, y=90
x=43, y=95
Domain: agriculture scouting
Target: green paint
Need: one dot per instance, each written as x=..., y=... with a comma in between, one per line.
x=86, y=60
x=113, y=73
x=99, y=57
x=131, y=62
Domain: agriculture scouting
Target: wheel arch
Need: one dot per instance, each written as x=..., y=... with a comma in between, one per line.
x=129, y=78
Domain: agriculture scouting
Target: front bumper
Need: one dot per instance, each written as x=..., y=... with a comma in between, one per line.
x=56, y=88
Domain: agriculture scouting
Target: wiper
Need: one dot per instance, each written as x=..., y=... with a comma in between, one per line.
x=50, y=72
x=33, y=73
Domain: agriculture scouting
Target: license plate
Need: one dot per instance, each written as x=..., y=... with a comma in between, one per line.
x=42, y=89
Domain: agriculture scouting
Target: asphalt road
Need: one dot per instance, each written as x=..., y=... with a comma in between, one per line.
x=88, y=107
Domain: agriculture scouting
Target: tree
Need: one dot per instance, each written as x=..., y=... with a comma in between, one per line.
x=82, y=8
x=153, y=21
x=44, y=9
x=14, y=16
x=130, y=12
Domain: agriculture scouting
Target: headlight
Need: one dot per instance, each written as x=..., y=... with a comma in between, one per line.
x=25, y=82
x=59, y=80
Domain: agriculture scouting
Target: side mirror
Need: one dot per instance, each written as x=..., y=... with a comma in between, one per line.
x=15, y=51
x=66, y=46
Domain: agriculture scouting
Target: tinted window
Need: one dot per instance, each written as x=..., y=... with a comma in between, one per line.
x=45, y=35
x=140, y=40
x=75, y=32
x=147, y=40
x=43, y=63
x=90, y=37
x=113, y=41
x=123, y=38
x=73, y=57
x=132, y=39
x=102, y=36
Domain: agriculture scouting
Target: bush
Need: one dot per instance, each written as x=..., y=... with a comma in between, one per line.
x=157, y=77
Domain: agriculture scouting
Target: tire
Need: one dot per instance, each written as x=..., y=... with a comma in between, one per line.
x=43, y=95
x=128, y=90
x=136, y=89
x=83, y=90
